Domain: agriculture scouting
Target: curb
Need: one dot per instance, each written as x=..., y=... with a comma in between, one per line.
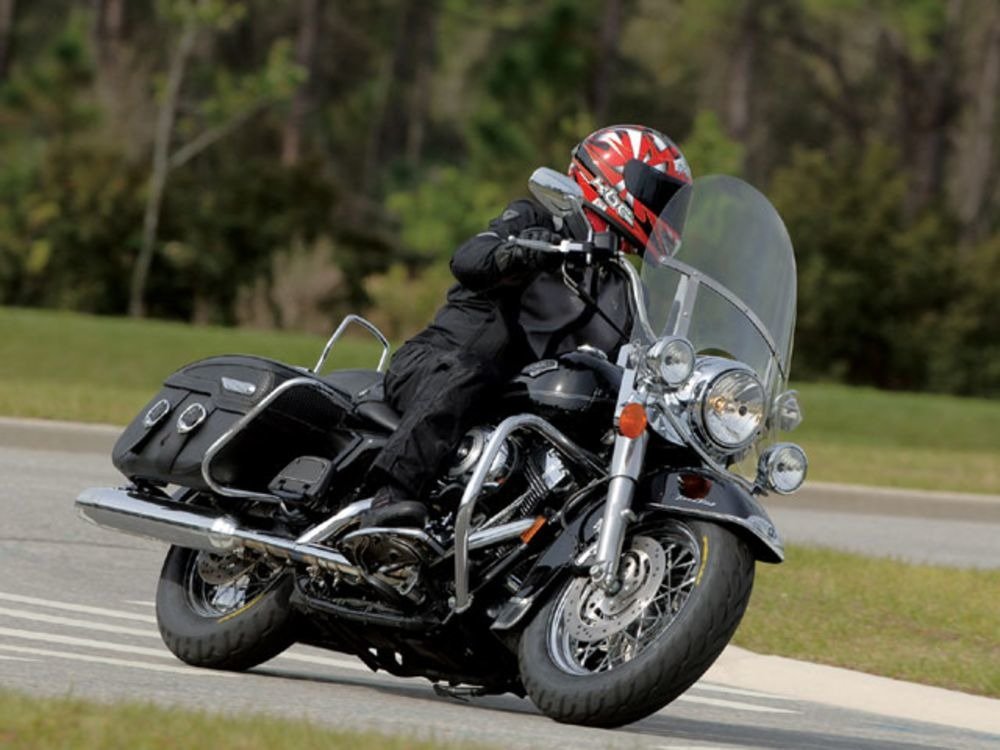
x=858, y=691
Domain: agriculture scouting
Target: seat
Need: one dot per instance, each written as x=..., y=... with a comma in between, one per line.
x=364, y=389
x=354, y=383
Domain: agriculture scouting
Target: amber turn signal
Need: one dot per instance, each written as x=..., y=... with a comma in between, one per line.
x=632, y=421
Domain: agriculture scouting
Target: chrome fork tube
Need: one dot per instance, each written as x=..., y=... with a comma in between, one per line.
x=626, y=466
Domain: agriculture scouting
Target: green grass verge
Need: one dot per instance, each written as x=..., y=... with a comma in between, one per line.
x=919, y=623
x=61, y=365
x=67, y=723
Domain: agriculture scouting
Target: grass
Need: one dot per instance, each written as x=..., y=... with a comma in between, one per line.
x=61, y=365
x=934, y=625
x=925, y=441
x=28, y=723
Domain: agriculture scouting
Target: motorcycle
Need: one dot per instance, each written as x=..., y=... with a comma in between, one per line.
x=591, y=546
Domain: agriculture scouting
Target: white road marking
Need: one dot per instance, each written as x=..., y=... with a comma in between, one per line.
x=139, y=603
x=734, y=705
x=111, y=661
x=18, y=599
x=304, y=658
x=69, y=622
x=67, y=640
x=712, y=688
x=14, y=658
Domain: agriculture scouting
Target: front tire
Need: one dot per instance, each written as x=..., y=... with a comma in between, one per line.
x=587, y=658
x=220, y=612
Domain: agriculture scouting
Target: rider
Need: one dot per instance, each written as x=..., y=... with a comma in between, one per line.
x=512, y=306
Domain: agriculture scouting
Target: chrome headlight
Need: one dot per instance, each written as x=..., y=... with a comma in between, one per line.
x=782, y=468
x=671, y=359
x=733, y=409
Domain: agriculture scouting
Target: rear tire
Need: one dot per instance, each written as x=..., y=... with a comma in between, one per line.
x=232, y=625
x=594, y=669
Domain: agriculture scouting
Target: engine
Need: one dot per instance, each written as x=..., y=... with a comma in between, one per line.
x=524, y=473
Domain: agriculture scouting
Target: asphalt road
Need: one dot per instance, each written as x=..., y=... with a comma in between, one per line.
x=76, y=618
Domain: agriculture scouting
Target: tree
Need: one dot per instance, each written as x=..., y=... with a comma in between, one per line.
x=7, y=8
x=233, y=107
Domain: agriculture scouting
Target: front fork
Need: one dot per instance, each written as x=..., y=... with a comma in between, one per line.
x=626, y=466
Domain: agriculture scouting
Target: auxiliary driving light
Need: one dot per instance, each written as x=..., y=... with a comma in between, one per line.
x=782, y=468
x=672, y=358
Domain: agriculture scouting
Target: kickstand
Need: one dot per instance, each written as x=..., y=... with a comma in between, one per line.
x=460, y=692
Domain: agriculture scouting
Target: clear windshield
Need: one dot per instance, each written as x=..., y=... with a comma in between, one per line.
x=719, y=270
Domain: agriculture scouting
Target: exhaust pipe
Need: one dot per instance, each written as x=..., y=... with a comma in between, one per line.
x=165, y=520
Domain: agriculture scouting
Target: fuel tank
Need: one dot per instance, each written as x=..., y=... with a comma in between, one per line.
x=575, y=392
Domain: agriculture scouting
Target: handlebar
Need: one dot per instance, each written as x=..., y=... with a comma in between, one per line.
x=591, y=252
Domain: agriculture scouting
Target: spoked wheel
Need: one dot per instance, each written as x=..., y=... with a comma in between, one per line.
x=590, y=657
x=224, y=611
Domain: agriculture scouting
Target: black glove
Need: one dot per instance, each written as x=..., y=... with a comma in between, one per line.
x=513, y=260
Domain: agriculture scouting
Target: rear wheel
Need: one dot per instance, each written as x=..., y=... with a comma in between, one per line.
x=606, y=660
x=224, y=611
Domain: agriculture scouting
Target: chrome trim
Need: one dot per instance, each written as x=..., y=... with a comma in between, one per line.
x=151, y=420
x=240, y=425
x=189, y=526
x=198, y=410
x=683, y=305
x=501, y=533
x=368, y=326
x=637, y=296
x=626, y=466
x=513, y=612
x=241, y=387
x=463, y=518
x=323, y=531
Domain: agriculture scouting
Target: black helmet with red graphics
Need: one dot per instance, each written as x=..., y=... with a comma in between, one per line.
x=628, y=173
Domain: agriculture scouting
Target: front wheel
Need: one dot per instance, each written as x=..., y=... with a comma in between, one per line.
x=606, y=660
x=224, y=611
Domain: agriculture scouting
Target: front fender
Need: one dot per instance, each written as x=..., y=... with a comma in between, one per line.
x=703, y=494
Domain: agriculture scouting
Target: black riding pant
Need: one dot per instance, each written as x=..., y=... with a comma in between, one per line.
x=441, y=393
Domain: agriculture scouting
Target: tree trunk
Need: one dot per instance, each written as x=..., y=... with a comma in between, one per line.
x=929, y=102
x=607, y=59
x=7, y=8
x=305, y=56
x=742, y=67
x=424, y=53
x=397, y=124
x=161, y=168
x=109, y=28
x=976, y=143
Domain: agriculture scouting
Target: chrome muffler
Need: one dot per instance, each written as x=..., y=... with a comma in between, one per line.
x=137, y=513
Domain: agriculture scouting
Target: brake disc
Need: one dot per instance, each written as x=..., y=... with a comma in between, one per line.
x=591, y=614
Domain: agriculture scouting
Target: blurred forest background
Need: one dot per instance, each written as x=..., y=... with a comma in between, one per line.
x=276, y=164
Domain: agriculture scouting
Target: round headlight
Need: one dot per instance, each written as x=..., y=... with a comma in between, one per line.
x=672, y=359
x=733, y=408
x=782, y=468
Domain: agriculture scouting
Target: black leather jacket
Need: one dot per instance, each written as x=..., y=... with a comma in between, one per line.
x=489, y=315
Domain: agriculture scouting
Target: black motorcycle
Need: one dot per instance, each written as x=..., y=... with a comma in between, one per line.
x=592, y=545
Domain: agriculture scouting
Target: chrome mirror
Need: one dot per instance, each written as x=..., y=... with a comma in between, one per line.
x=562, y=197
